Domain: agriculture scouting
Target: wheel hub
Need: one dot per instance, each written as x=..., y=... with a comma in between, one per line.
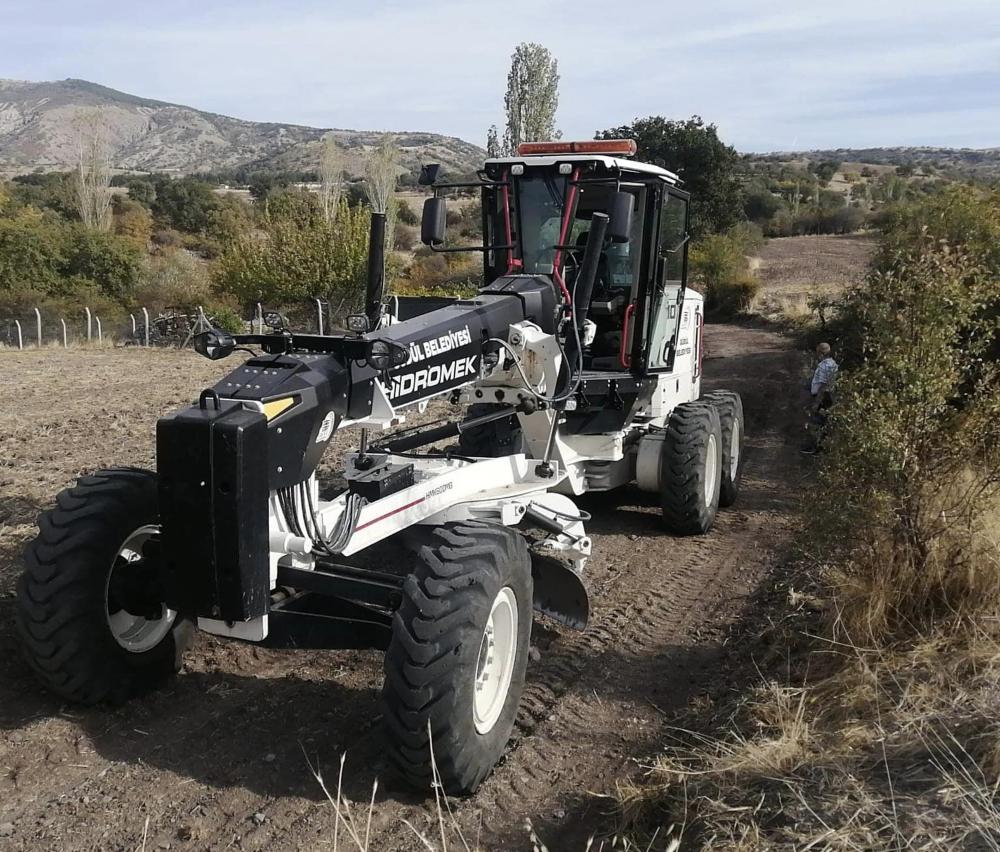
x=734, y=451
x=495, y=664
x=711, y=470
x=137, y=619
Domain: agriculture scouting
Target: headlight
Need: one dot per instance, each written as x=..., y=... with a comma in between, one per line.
x=358, y=323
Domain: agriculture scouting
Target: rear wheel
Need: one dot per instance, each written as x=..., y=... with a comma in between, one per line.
x=458, y=654
x=89, y=612
x=690, y=468
x=730, y=408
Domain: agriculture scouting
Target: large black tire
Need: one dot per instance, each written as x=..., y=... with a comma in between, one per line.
x=437, y=649
x=690, y=466
x=63, y=598
x=730, y=408
x=491, y=440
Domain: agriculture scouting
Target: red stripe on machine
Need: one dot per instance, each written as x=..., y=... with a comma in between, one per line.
x=389, y=514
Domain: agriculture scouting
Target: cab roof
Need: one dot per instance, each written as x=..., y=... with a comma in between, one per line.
x=608, y=162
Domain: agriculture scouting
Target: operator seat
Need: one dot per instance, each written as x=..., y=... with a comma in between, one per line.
x=606, y=310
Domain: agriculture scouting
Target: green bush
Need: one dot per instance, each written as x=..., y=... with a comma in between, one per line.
x=43, y=253
x=914, y=453
x=291, y=260
x=113, y=263
x=32, y=253
x=732, y=296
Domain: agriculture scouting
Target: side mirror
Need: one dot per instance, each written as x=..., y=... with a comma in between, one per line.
x=214, y=344
x=428, y=174
x=620, y=211
x=433, y=223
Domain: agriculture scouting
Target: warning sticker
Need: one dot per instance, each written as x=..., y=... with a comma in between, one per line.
x=326, y=428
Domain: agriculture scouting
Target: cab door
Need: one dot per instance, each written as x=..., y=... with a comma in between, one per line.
x=665, y=296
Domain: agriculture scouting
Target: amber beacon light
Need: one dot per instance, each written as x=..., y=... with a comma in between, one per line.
x=620, y=147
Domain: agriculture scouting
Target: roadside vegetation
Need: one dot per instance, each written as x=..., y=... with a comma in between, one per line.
x=874, y=725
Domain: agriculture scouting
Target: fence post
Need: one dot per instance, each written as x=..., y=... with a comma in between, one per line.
x=88, y=323
x=20, y=341
x=319, y=315
x=145, y=316
x=260, y=319
x=132, y=317
x=100, y=337
x=65, y=343
x=38, y=326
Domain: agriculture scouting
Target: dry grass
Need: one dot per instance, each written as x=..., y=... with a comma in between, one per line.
x=899, y=751
x=355, y=827
x=890, y=741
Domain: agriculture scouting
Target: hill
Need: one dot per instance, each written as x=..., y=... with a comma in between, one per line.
x=971, y=162
x=39, y=128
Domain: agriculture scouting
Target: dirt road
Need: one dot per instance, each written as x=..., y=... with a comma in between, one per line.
x=218, y=759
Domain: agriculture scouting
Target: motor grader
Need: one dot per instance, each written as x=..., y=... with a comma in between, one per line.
x=575, y=368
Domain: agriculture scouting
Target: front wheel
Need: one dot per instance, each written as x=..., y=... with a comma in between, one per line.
x=89, y=611
x=458, y=654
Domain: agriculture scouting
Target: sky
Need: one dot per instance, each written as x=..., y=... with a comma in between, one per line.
x=773, y=76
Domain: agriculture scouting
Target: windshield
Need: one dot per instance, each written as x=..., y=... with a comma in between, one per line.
x=540, y=199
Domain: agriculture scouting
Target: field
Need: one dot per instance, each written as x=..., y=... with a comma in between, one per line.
x=218, y=759
x=792, y=270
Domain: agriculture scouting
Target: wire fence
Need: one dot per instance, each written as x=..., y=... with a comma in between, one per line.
x=39, y=328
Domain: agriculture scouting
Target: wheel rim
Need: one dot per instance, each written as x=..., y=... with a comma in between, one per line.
x=495, y=665
x=135, y=633
x=734, y=451
x=711, y=469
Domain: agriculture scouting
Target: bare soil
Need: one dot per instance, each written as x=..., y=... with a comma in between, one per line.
x=793, y=270
x=218, y=759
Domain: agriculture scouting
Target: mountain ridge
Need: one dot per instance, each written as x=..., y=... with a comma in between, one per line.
x=39, y=129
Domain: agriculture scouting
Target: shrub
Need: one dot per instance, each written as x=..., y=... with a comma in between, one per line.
x=733, y=296
x=915, y=453
x=719, y=264
x=111, y=262
x=404, y=237
x=132, y=221
x=185, y=204
x=432, y=274
x=290, y=260
x=405, y=214
x=32, y=253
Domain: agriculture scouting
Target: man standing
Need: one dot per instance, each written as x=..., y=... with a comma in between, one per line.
x=821, y=397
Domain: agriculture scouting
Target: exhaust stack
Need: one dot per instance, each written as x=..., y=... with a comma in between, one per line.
x=376, y=270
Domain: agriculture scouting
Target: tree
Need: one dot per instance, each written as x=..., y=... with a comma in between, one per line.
x=141, y=190
x=186, y=204
x=93, y=171
x=532, y=96
x=492, y=142
x=331, y=178
x=825, y=170
x=708, y=167
x=381, y=174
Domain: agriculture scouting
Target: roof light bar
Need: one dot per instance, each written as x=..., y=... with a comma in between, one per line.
x=621, y=147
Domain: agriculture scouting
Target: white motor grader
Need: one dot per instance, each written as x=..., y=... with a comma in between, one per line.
x=576, y=368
